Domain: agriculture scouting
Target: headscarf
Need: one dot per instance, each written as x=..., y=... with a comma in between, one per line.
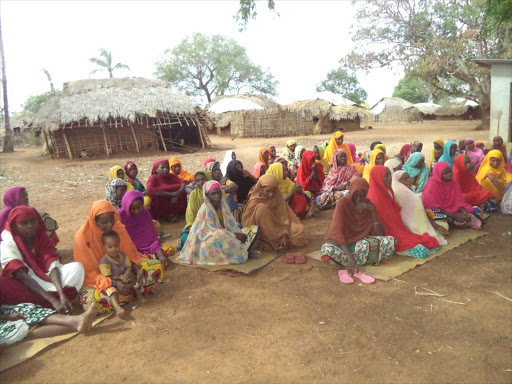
x=348, y=224
x=374, y=144
x=476, y=155
x=485, y=167
x=287, y=150
x=353, y=152
x=502, y=148
x=140, y=227
x=262, y=163
x=11, y=201
x=478, y=142
x=209, y=166
x=388, y=210
x=337, y=174
x=391, y=164
x=298, y=150
x=410, y=168
x=111, y=194
x=195, y=200
x=332, y=146
x=132, y=184
x=368, y=167
x=446, y=157
x=39, y=258
x=325, y=164
x=245, y=183
x=127, y=166
x=210, y=242
x=228, y=157
x=184, y=175
x=285, y=185
x=112, y=174
x=445, y=195
x=304, y=172
x=88, y=249
x=405, y=152
x=413, y=213
x=382, y=147
x=161, y=206
x=440, y=142
x=208, y=160
x=471, y=190
x=274, y=217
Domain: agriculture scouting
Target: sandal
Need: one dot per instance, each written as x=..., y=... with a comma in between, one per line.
x=365, y=278
x=294, y=258
x=344, y=277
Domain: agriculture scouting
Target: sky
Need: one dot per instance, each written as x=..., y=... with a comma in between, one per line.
x=299, y=46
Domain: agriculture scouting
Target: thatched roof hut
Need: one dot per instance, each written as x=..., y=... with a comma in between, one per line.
x=106, y=116
x=422, y=111
x=394, y=109
x=467, y=110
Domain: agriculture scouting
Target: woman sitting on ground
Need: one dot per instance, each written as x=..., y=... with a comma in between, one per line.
x=382, y=196
x=31, y=268
x=177, y=169
x=228, y=187
x=273, y=155
x=382, y=147
x=298, y=200
x=492, y=175
x=141, y=227
x=480, y=144
x=242, y=178
x=335, y=185
x=229, y=156
x=320, y=152
x=442, y=193
x=299, y=152
x=215, y=237
x=475, y=155
x=16, y=196
x=437, y=152
x=167, y=192
x=472, y=192
x=88, y=250
x=116, y=188
x=418, y=171
x=377, y=157
x=497, y=143
x=335, y=143
x=356, y=235
x=416, y=146
x=262, y=165
x=131, y=171
x=310, y=174
x=279, y=227
x=449, y=152
x=289, y=153
x=405, y=152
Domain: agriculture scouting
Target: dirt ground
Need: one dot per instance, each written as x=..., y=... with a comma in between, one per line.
x=284, y=323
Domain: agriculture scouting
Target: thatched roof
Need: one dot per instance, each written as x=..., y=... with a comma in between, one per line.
x=245, y=102
x=426, y=108
x=18, y=120
x=390, y=105
x=453, y=110
x=100, y=99
x=323, y=108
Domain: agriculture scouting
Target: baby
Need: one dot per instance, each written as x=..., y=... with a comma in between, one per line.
x=116, y=265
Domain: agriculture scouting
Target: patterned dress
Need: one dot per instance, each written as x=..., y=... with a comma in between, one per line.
x=14, y=331
x=370, y=250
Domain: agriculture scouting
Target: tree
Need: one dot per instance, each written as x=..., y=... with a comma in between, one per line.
x=247, y=11
x=105, y=63
x=36, y=102
x=49, y=77
x=8, y=138
x=412, y=89
x=213, y=65
x=435, y=39
x=339, y=81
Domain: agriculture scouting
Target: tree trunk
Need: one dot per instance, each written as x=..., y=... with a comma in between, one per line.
x=484, y=99
x=110, y=73
x=8, y=139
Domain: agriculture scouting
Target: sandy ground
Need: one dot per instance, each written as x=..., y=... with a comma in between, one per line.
x=284, y=323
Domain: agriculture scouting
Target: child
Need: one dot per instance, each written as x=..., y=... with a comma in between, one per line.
x=116, y=265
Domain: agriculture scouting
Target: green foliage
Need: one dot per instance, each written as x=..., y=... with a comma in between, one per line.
x=339, y=81
x=498, y=11
x=213, y=65
x=412, y=89
x=104, y=62
x=36, y=102
x=247, y=11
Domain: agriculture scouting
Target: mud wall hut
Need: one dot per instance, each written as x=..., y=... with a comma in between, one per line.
x=459, y=111
x=101, y=117
x=424, y=111
x=395, y=109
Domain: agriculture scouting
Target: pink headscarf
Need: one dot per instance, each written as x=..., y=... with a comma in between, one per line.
x=445, y=195
x=11, y=201
x=476, y=155
x=352, y=147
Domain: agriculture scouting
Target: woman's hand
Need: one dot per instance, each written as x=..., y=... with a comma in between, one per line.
x=241, y=237
x=352, y=265
x=68, y=305
x=141, y=280
x=164, y=260
x=297, y=188
x=58, y=305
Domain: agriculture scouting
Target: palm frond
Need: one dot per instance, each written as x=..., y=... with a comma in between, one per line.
x=121, y=66
x=98, y=62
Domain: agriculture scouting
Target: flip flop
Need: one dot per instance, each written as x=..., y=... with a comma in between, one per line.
x=365, y=278
x=344, y=277
x=289, y=258
x=300, y=259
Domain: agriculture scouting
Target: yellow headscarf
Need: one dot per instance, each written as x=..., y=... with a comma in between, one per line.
x=371, y=164
x=329, y=151
x=112, y=174
x=384, y=150
x=285, y=185
x=323, y=160
x=184, y=175
x=485, y=167
x=433, y=153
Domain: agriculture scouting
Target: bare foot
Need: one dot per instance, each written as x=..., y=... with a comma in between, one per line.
x=253, y=253
x=85, y=319
x=122, y=314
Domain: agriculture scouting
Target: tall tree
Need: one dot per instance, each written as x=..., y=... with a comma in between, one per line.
x=435, y=39
x=8, y=138
x=412, y=89
x=341, y=82
x=49, y=77
x=104, y=62
x=247, y=11
x=213, y=65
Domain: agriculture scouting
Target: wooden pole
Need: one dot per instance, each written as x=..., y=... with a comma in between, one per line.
x=68, y=147
x=50, y=150
x=200, y=134
x=9, y=134
x=134, y=137
x=162, y=137
x=105, y=138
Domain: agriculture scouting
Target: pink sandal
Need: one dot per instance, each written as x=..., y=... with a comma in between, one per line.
x=294, y=258
x=365, y=278
x=345, y=277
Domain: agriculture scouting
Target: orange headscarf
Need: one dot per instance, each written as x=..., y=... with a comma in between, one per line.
x=88, y=249
x=333, y=146
x=261, y=158
x=184, y=175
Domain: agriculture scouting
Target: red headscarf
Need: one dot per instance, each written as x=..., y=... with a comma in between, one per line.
x=161, y=206
x=305, y=169
x=208, y=161
x=44, y=253
x=388, y=209
x=405, y=152
x=445, y=195
x=471, y=190
x=127, y=166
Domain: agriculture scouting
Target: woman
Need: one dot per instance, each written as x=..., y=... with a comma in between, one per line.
x=31, y=267
x=228, y=187
x=292, y=193
x=492, y=175
x=88, y=250
x=353, y=152
x=416, y=146
x=229, y=156
x=413, y=212
x=262, y=165
x=335, y=143
x=215, y=237
x=405, y=152
x=116, y=188
x=336, y=183
x=382, y=147
x=437, y=152
x=443, y=193
x=140, y=226
x=209, y=160
x=279, y=227
x=377, y=157
x=131, y=171
x=356, y=235
x=116, y=172
x=242, y=178
x=299, y=152
x=319, y=152
x=393, y=165
x=289, y=152
x=273, y=155
x=177, y=169
x=382, y=196
x=476, y=155
x=167, y=192
x=497, y=143
x=480, y=144
x=310, y=174
x=449, y=152
x=417, y=169
x=472, y=192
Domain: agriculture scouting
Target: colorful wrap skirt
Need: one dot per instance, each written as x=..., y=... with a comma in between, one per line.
x=14, y=331
x=369, y=250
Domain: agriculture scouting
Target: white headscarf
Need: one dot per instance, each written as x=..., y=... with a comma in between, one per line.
x=227, y=158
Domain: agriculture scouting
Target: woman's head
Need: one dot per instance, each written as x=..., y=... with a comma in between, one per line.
x=268, y=186
x=388, y=178
x=480, y=144
x=105, y=221
x=120, y=191
x=23, y=197
x=24, y=220
x=239, y=167
x=462, y=145
x=216, y=171
x=380, y=159
x=453, y=149
x=176, y=168
x=438, y=146
x=299, y=151
x=341, y=158
x=497, y=142
x=416, y=146
x=447, y=174
x=162, y=169
x=137, y=206
x=469, y=143
x=495, y=162
x=116, y=172
x=213, y=192
x=292, y=147
x=273, y=153
x=338, y=136
x=200, y=178
x=131, y=170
